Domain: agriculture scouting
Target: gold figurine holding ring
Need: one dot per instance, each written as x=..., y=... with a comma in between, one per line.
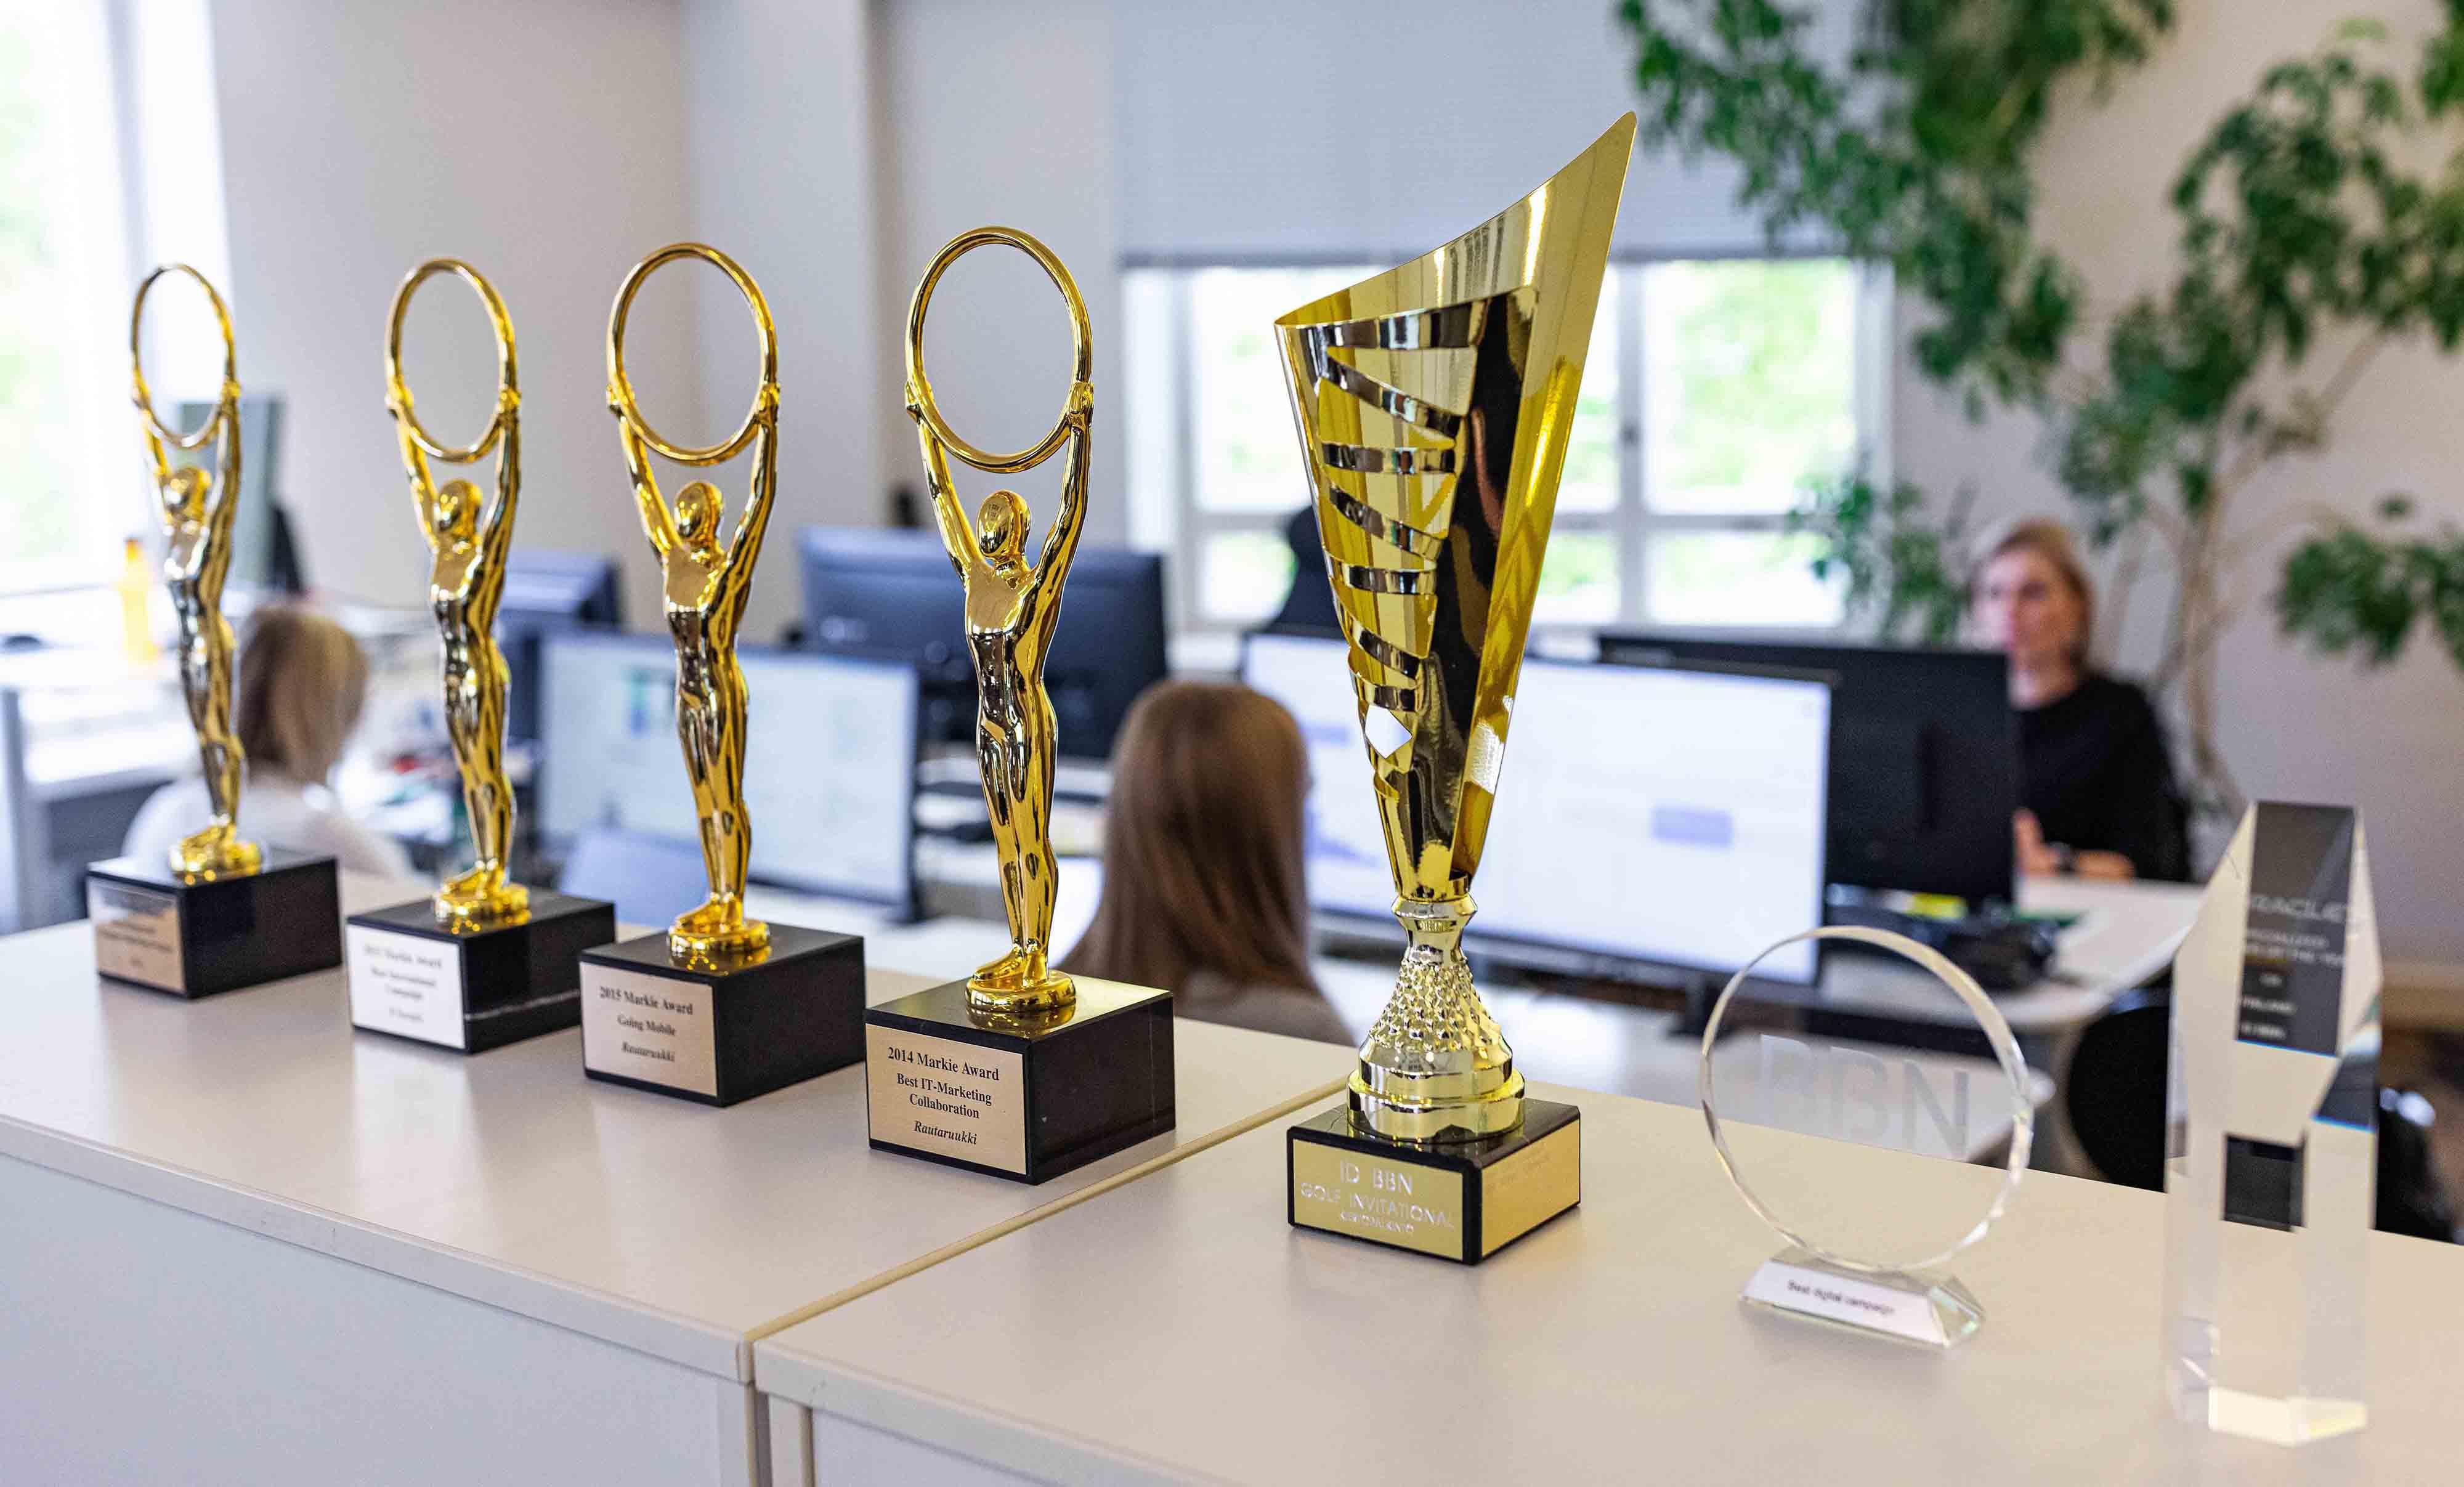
x=197, y=509
x=1013, y=607
x=466, y=583
x=706, y=587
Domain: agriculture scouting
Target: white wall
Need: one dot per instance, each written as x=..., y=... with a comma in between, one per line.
x=780, y=130
x=2295, y=726
x=544, y=142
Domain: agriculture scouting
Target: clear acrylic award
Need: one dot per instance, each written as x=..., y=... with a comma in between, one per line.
x=2272, y=1143
x=1868, y=1233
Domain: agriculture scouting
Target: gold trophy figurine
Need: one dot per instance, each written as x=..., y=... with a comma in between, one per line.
x=1434, y=403
x=1012, y=608
x=1057, y=1070
x=744, y=1007
x=466, y=582
x=706, y=585
x=197, y=509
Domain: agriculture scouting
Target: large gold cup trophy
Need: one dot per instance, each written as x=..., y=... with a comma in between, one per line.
x=219, y=912
x=1434, y=403
x=483, y=961
x=1037, y=1072
x=722, y=1007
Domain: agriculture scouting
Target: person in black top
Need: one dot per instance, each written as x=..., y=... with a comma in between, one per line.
x=2095, y=773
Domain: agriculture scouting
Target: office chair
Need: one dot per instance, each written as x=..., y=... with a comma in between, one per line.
x=1308, y=607
x=650, y=878
x=2114, y=1093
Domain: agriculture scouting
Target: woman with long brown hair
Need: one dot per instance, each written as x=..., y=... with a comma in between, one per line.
x=1204, y=885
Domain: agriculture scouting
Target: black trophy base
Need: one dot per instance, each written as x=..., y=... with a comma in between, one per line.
x=472, y=990
x=1462, y=1201
x=203, y=936
x=721, y=1033
x=1025, y=1100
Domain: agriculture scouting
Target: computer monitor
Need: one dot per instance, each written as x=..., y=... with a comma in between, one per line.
x=265, y=553
x=1645, y=817
x=548, y=593
x=829, y=760
x=1924, y=761
x=891, y=593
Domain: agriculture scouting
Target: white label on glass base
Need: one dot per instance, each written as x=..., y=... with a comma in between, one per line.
x=406, y=984
x=1858, y=1303
x=945, y=1097
x=653, y=1028
x=136, y=934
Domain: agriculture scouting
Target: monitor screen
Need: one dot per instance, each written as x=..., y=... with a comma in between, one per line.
x=1924, y=755
x=830, y=762
x=891, y=593
x=1664, y=817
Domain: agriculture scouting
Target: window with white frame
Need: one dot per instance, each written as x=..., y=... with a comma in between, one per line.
x=1714, y=393
x=65, y=429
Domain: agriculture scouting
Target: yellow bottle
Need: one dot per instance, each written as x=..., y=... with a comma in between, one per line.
x=137, y=626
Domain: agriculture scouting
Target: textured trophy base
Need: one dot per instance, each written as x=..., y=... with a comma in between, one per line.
x=204, y=936
x=1462, y=1201
x=472, y=990
x=721, y=1034
x=1904, y=1306
x=1026, y=1099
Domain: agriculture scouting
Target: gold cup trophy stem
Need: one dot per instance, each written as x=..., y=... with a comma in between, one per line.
x=466, y=585
x=197, y=509
x=1434, y=403
x=1013, y=607
x=706, y=584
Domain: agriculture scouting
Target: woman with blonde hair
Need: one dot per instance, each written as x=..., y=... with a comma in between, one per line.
x=302, y=681
x=2096, y=774
x=1204, y=889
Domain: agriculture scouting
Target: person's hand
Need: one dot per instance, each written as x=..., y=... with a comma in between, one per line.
x=2106, y=867
x=2028, y=846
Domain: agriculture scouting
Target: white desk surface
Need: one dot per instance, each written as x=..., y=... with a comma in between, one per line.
x=1176, y=1328
x=507, y=1176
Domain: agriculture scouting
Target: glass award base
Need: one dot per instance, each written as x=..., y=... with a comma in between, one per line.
x=2295, y=1421
x=1906, y=1306
x=201, y=936
x=473, y=988
x=1021, y=1098
x=1462, y=1200
x=720, y=1031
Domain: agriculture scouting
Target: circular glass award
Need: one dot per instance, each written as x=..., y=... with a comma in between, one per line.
x=1816, y=1127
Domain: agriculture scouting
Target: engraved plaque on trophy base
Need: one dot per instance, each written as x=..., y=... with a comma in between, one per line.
x=472, y=990
x=1018, y=1098
x=1911, y=1307
x=1458, y=1200
x=721, y=1033
x=201, y=936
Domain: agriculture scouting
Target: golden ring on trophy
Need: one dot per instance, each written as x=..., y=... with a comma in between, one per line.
x=620, y=388
x=1081, y=355
x=498, y=319
x=226, y=406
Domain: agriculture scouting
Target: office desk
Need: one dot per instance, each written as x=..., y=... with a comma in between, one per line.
x=1177, y=1330
x=242, y=1242
x=2125, y=935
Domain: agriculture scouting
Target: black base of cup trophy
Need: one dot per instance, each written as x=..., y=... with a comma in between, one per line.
x=1020, y=1097
x=719, y=1032
x=200, y=936
x=1460, y=1200
x=473, y=988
